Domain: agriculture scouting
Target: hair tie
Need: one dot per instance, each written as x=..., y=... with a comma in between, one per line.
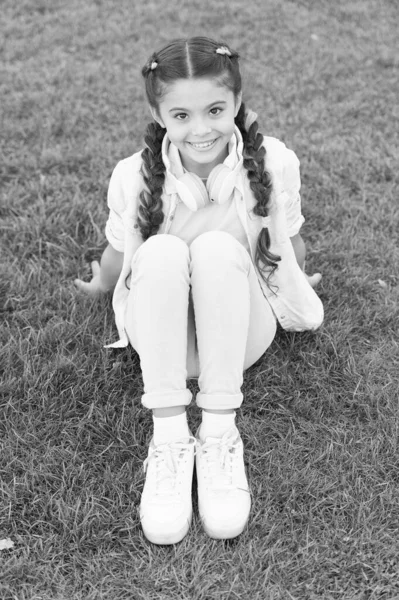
x=153, y=65
x=223, y=50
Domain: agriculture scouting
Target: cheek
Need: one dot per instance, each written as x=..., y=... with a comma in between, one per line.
x=228, y=123
x=227, y=129
x=176, y=133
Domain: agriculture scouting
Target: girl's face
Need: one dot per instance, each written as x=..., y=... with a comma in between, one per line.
x=198, y=115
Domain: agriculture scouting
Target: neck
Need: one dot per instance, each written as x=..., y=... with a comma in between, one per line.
x=203, y=170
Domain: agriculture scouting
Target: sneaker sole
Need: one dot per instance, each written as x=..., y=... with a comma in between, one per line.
x=168, y=537
x=218, y=533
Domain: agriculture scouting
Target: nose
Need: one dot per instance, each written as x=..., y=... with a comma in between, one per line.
x=200, y=127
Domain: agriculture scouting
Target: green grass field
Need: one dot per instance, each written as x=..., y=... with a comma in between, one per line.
x=320, y=416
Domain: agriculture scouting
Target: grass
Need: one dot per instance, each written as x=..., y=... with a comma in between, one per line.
x=319, y=421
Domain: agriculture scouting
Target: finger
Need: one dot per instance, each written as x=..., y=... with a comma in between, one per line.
x=315, y=279
x=83, y=286
x=79, y=284
x=95, y=267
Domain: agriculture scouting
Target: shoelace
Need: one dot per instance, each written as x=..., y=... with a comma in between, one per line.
x=166, y=458
x=221, y=456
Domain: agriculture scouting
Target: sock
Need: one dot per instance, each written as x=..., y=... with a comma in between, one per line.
x=170, y=429
x=215, y=425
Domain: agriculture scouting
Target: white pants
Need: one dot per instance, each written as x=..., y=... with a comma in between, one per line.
x=214, y=331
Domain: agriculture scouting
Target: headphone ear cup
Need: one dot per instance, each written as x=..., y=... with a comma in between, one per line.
x=220, y=184
x=192, y=191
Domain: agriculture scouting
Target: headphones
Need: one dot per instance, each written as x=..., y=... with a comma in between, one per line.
x=218, y=188
x=191, y=189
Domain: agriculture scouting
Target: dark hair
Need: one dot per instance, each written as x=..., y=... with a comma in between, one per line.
x=194, y=58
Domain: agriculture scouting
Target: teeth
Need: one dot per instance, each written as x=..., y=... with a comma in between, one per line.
x=202, y=144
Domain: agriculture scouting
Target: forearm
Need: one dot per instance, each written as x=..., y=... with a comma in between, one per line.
x=300, y=250
x=111, y=266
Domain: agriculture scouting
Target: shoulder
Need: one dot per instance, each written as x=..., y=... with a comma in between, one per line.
x=273, y=144
x=126, y=175
x=277, y=153
x=126, y=182
x=282, y=163
x=130, y=166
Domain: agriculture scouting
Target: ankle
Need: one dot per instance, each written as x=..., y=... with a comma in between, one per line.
x=169, y=411
x=170, y=428
x=216, y=423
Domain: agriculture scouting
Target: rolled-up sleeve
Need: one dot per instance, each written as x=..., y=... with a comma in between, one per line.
x=292, y=185
x=114, y=228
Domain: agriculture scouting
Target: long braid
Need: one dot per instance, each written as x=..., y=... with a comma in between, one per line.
x=150, y=213
x=260, y=183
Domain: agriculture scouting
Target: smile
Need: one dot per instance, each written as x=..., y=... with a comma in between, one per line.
x=202, y=145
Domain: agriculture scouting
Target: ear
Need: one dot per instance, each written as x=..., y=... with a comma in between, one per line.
x=156, y=116
x=238, y=103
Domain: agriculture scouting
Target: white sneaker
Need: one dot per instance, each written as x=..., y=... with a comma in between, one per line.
x=224, y=499
x=166, y=505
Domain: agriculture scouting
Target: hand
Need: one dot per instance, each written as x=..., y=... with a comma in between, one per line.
x=313, y=280
x=93, y=287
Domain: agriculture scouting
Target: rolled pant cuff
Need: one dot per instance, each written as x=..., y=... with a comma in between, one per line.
x=219, y=401
x=167, y=399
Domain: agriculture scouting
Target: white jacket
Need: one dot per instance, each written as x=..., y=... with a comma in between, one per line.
x=293, y=301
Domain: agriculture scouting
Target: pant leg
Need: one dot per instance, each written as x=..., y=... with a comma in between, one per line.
x=234, y=322
x=193, y=368
x=156, y=319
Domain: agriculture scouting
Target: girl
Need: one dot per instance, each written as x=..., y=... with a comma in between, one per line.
x=205, y=257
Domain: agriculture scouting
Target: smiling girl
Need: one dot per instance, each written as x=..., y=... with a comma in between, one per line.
x=206, y=258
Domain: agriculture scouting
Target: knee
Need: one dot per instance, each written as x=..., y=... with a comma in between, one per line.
x=218, y=246
x=213, y=243
x=162, y=249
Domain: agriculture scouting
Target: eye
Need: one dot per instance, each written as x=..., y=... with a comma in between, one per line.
x=180, y=116
x=216, y=110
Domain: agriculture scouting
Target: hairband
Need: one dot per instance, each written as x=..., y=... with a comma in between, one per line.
x=223, y=50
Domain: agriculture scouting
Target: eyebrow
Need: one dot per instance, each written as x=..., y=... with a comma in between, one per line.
x=218, y=102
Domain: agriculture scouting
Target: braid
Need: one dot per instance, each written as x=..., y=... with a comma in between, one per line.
x=260, y=183
x=150, y=214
